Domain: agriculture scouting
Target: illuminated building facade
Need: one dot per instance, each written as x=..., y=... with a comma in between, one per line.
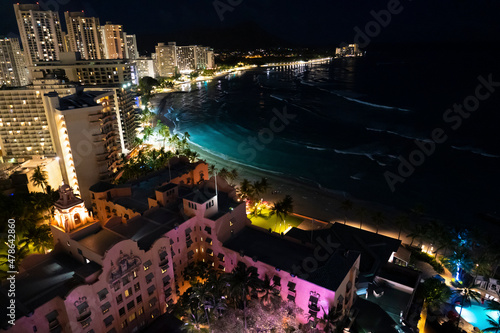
x=351, y=50
x=85, y=130
x=172, y=59
x=24, y=128
x=84, y=35
x=132, y=52
x=114, y=40
x=70, y=212
x=22, y=174
x=13, y=70
x=87, y=72
x=129, y=264
x=41, y=33
x=166, y=59
x=145, y=67
x=186, y=58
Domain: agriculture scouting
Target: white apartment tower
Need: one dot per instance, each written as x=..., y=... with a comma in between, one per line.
x=84, y=35
x=131, y=47
x=85, y=133
x=186, y=58
x=41, y=33
x=166, y=59
x=145, y=67
x=13, y=70
x=24, y=128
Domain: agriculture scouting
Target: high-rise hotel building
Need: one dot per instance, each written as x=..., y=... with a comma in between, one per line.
x=186, y=58
x=132, y=52
x=85, y=132
x=13, y=70
x=40, y=31
x=166, y=59
x=114, y=41
x=87, y=72
x=172, y=59
x=84, y=35
x=24, y=127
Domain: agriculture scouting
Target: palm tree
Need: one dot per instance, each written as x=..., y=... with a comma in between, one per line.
x=40, y=238
x=260, y=187
x=436, y=293
x=401, y=222
x=241, y=281
x=246, y=189
x=223, y=173
x=417, y=232
x=147, y=132
x=282, y=208
x=493, y=306
x=495, y=325
x=346, y=206
x=21, y=253
x=459, y=261
x=138, y=141
x=467, y=295
x=175, y=141
x=361, y=212
x=164, y=132
x=378, y=219
x=330, y=318
x=39, y=177
x=202, y=295
x=184, y=141
x=233, y=174
x=434, y=231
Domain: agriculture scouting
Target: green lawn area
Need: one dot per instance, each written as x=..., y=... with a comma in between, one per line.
x=265, y=221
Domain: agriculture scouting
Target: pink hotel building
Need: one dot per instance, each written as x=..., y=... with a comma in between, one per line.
x=120, y=269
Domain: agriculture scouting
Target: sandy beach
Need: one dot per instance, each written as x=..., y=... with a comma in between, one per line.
x=309, y=200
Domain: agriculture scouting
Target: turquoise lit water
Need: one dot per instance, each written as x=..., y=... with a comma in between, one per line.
x=353, y=118
x=477, y=315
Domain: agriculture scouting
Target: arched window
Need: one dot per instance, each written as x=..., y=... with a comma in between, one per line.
x=77, y=219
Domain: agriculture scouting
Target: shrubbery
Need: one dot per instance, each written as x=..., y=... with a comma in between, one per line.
x=422, y=256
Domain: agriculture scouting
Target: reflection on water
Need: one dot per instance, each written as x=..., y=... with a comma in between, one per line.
x=477, y=315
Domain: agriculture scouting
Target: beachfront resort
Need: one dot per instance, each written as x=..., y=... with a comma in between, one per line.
x=115, y=221
x=180, y=248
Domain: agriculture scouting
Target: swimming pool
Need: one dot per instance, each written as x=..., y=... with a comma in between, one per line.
x=476, y=314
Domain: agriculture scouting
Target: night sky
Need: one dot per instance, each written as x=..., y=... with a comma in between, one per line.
x=287, y=22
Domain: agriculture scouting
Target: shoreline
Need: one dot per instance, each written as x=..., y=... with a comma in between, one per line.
x=309, y=198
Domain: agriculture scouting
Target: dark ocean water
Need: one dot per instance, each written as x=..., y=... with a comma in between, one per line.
x=353, y=118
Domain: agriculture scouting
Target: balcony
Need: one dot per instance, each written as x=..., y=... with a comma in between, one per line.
x=313, y=307
x=98, y=137
x=84, y=315
x=164, y=263
x=54, y=326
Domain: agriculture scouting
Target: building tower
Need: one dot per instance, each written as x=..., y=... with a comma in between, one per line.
x=13, y=70
x=41, y=33
x=113, y=40
x=84, y=35
x=132, y=51
x=166, y=59
x=70, y=211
